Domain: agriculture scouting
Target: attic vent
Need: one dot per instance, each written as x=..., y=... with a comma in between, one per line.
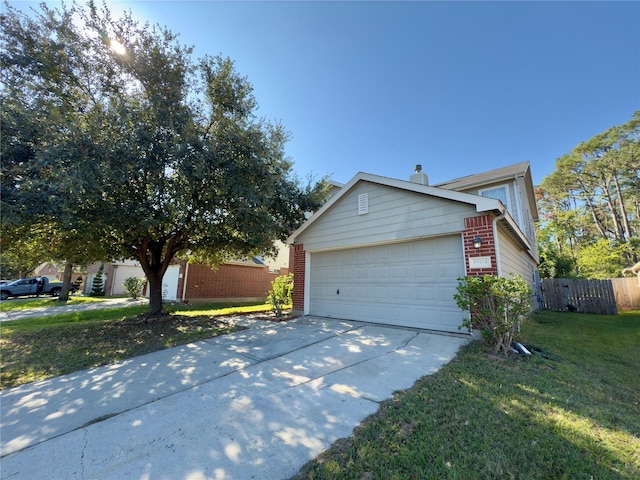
x=363, y=203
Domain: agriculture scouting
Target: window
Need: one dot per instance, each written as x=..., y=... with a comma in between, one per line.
x=499, y=193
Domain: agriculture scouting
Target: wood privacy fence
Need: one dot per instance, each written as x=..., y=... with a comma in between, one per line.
x=627, y=293
x=605, y=297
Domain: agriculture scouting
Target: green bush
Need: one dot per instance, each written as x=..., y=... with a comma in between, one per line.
x=496, y=304
x=133, y=286
x=281, y=293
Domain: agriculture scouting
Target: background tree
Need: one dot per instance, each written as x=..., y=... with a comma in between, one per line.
x=97, y=285
x=590, y=204
x=21, y=252
x=147, y=150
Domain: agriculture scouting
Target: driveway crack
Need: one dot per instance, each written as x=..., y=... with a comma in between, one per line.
x=85, y=442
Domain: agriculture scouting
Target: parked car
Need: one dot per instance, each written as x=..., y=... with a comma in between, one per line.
x=32, y=286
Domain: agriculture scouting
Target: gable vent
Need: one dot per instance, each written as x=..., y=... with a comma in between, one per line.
x=363, y=203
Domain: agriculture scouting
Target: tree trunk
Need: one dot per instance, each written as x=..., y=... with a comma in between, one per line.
x=155, y=292
x=623, y=208
x=155, y=258
x=66, y=282
x=596, y=219
x=615, y=215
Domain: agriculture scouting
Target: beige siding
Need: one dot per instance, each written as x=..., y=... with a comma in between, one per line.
x=526, y=225
x=393, y=215
x=513, y=260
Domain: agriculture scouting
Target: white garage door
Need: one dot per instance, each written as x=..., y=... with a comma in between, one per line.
x=407, y=284
x=121, y=273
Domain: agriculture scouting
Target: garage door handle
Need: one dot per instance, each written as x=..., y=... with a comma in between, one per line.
x=338, y=292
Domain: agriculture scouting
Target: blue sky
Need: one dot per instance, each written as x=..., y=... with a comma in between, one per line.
x=459, y=87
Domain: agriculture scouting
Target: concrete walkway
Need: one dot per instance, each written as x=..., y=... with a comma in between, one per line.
x=254, y=404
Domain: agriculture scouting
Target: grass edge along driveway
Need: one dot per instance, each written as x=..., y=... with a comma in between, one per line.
x=570, y=411
x=34, y=349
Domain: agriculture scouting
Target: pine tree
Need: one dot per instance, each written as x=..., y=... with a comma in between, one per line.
x=97, y=287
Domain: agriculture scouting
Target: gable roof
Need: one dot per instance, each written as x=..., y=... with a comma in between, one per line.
x=498, y=175
x=492, y=176
x=482, y=204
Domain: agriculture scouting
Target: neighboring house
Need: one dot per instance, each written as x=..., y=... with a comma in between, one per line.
x=234, y=281
x=48, y=270
x=114, y=275
x=390, y=251
x=52, y=272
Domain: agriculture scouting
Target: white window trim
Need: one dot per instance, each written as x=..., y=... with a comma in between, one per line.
x=508, y=194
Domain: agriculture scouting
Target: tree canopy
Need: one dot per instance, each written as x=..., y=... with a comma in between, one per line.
x=117, y=136
x=590, y=205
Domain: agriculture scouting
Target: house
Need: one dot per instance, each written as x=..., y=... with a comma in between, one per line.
x=55, y=272
x=233, y=281
x=390, y=251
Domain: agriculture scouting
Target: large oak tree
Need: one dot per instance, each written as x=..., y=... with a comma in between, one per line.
x=119, y=136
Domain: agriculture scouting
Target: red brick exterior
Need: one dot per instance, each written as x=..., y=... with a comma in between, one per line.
x=481, y=225
x=229, y=281
x=298, y=266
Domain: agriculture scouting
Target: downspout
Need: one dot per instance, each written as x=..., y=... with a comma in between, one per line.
x=494, y=224
x=184, y=283
x=307, y=283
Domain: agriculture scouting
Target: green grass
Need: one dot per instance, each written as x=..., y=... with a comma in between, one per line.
x=38, y=348
x=224, y=309
x=571, y=411
x=44, y=302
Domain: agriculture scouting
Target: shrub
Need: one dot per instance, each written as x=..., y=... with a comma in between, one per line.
x=496, y=305
x=97, y=286
x=133, y=286
x=281, y=293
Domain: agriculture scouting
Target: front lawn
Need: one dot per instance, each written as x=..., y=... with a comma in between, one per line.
x=570, y=411
x=37, y=348
x=44, y=302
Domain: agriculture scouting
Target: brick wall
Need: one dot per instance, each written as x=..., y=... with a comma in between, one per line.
x=298, y=266
x=482, y=226
x=228, y=282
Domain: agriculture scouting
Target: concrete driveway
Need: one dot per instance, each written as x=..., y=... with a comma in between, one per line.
x=255, y=404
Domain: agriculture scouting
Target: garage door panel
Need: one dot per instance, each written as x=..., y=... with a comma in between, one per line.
x=407, y=284
x=346, y=274
x=400, y=273
x=425, y=294
x=448, y=270
x=380, y=273
x=423, y=249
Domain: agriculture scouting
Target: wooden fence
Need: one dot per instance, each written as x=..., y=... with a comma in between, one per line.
x=627, y=293
x=605, y=297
